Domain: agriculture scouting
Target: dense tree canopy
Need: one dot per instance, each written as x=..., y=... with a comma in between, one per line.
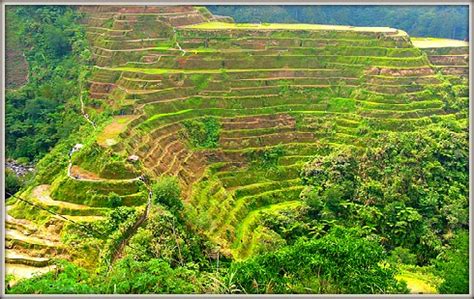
x=46, y=109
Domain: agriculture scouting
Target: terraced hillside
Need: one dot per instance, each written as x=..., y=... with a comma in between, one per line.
x=233, y=111
x=451, y=57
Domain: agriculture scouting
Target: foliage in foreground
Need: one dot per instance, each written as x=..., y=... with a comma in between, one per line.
x=411, y=189
x=454, y=266
x=340, y=262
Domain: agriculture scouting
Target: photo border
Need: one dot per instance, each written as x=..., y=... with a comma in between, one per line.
x=227, y=2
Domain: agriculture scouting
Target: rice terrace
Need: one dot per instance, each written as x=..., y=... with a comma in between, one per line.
x=175, y=149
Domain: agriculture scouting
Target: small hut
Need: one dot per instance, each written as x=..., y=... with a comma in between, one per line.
x=133, y=158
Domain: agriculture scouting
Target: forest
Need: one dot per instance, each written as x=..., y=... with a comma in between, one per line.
x=212, y=157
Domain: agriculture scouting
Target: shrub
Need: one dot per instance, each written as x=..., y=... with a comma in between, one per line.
x=114, y=200
x=203, y=133
x=166, y=191
x=454, y=266
x=67, y=279
x=340, y=262
x=401, y=255
x=12, y=182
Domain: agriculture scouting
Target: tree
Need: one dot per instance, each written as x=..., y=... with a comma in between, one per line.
x=166, y=191
x=454, y=265
x=340, y=262
x=12, y=182
x=148, y=277
x=114, y=200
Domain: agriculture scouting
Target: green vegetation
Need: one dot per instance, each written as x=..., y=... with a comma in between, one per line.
x=326, y=265
x=454, y=265
x=46, y=109
x=203, y=133
x=166, y=192
x=13, y=183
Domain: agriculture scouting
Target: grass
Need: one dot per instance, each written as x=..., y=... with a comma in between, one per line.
x=161, y=71
x=431, y=42
x=419, y=280
x=282, y=26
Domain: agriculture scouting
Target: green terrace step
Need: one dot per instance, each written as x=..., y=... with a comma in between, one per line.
x=227, y=73
x=295, y=159
x=245, y=242
x=231, y=30
x=150, y=47
x=368, y=105
x=260, y=187
x=66, y=208
x=398, y=125
x=407, y=97
x=295, y=61
x=402, y=80
x=95, y=193
x=267, y=139
x=238, y=202
x=283, y=43
x=16, y=238
x=414, y=113
x=315, y=109
x=238, y=178
x=246, y=205
x=129, y=44
x=158, y=119
x=397, y=88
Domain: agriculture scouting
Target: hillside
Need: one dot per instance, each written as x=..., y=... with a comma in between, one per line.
x=246, y=121
x=443, y=21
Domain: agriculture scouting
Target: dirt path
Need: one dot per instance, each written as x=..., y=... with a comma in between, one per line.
x=83, y=112
x=41, y=193
x=78, y=177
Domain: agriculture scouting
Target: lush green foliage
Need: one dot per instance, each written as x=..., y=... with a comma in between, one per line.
x=203, y=133
x=266, y=158
x=166, y=238
x=46, y=109
x=148, y=277
x=454, y=265
x=114, y=200
x=409, y=188
x=13, y=183
x=166, y=191
x=127, y=277
x=66, y=279
x=340, y=262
